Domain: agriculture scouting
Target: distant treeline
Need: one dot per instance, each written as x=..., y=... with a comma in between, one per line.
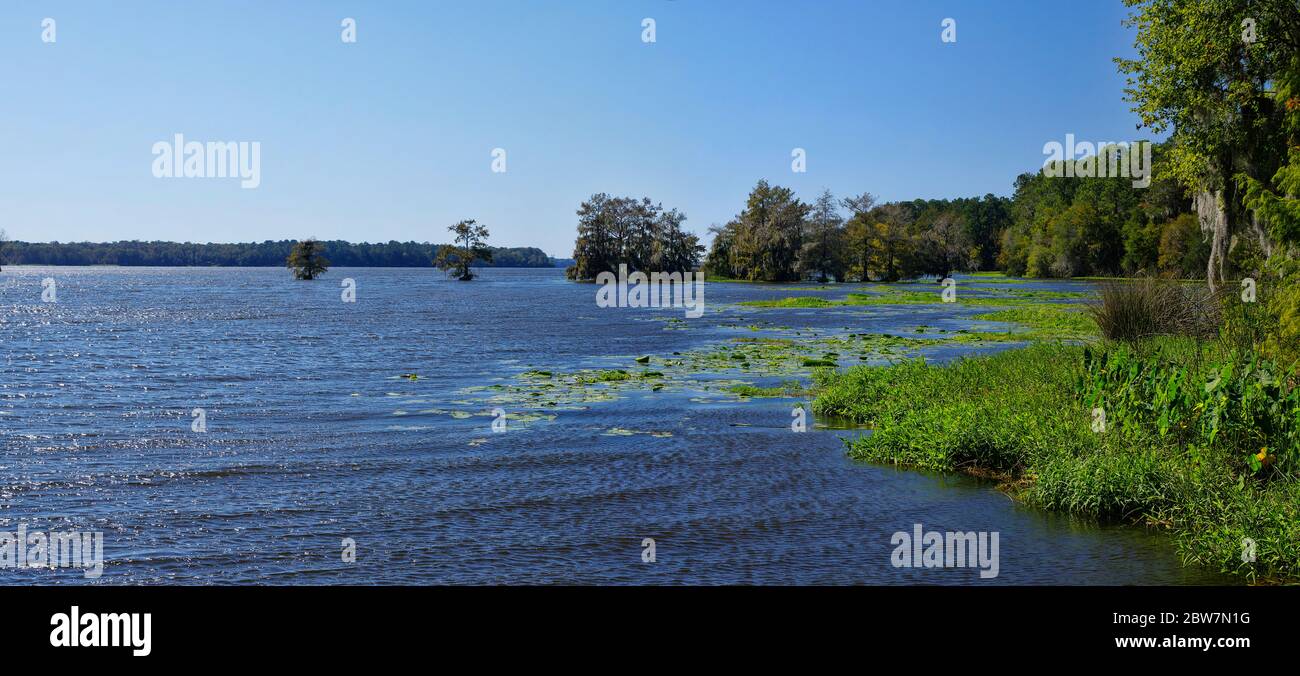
x=252, y=254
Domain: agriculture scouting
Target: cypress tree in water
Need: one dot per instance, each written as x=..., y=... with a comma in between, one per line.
x=307, y=261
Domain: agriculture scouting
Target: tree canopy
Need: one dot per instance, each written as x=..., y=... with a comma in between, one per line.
x=306, y=260
x=778, y=238
x=470, y=245
x=640, y=234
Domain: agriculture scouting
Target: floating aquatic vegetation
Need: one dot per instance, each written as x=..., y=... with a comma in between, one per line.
x=749, y=366
x=622, y=432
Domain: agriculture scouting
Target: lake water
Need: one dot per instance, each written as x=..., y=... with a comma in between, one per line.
x=313, y=436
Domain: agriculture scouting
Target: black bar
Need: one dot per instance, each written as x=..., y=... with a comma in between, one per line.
x=232, y=624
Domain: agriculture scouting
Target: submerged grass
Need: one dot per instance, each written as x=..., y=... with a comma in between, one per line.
x=1023, y=416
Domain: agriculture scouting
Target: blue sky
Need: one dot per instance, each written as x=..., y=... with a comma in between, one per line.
x=391, y=137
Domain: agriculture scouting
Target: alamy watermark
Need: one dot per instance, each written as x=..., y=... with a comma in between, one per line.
x=1248, y=290
x=75, y=629
x=38, y=549
x=1107, y=159
x=1248, y=547
x=657, y=289
x=215, y=159
x=933, y=549
x=949, y=292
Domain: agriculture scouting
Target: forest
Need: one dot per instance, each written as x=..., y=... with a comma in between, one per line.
x=1051, y=226
x=253, y=254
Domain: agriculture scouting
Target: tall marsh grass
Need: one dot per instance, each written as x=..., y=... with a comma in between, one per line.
x=1147, y=307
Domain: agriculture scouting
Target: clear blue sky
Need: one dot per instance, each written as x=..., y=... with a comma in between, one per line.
x=390, y=138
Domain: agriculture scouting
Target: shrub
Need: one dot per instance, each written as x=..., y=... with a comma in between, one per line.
x=1148, y=307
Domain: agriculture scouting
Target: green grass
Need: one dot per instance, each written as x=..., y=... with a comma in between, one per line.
x=879, y=294
x=1094, y=278
x=793, y=301
x=733, y=280
x=1022, y=416
x=995, y=278
x=790, y=388
x=890, y=296
x=1038, y=319
x=1045, y=322
x=1050, y=295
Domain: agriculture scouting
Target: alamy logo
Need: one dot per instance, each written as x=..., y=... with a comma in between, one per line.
x=1107, y=159
x=658, y=289
x=946, y=550
x=498, y=421
x=102, y=630
x=799, y=161
x=37, y=549
x=1247, y=290
x=200, y=423
x=214, y=159
x=648, y=31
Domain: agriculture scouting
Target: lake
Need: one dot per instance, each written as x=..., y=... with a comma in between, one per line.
x=313, y=435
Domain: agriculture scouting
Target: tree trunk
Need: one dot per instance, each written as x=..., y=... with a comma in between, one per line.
x=1213, y=218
